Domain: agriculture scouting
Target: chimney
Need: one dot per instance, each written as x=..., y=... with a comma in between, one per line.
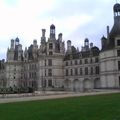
x=108, y=31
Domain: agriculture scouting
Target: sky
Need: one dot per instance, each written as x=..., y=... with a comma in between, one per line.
x=76, y=19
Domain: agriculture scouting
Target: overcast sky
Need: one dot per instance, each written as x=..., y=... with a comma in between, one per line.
x=76, y=19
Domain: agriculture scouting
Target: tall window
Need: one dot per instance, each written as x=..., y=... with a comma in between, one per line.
x=76, y=71
x=50, y=46
x=43, y=82
x=50, y=83
x=49, y=62
x=86, y=70
x=96, y=60
x=97, y=69
x=118, y=42
x=75, y=62
x=91, y=71
x=45, y=62
x=81, y=71
x=118, y=52
x=119, y=80
x=66, y=63
x=66, y=72
x=80, y=62
x=49, y=72
x=86, y=61
x=91, y=60
x=118, y=65
x=45, y=72
x=71, y=72
x=50, y=53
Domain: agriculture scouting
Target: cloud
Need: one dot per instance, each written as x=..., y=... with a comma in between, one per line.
x=76, y=19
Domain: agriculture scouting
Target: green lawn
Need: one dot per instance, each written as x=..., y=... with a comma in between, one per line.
x=100, y=107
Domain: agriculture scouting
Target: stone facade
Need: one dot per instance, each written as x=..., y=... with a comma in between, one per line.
x=51, y=66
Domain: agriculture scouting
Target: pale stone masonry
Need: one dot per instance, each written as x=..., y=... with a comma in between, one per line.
x=52, y=67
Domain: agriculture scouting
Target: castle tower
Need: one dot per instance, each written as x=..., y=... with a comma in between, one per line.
x=115, y=32
x=110, y=54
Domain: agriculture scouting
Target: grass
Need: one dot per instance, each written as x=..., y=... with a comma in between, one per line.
x=100, y=107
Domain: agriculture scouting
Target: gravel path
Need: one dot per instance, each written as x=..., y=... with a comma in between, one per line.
x=49, y=95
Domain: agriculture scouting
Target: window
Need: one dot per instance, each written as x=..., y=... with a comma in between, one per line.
x=50, y=46
x=76, y=71
x=49, y=72
x=86, y=61
x=97, y=69
x=45, y=62
x=49, y=62
x=91, y=71
x=118, y=42
x=118, y=65
x=81, y=71
x=52, y=31
x=96, y=60
x=50, y=83
x=119, y=80
x=91, y=60
x=50, y=53
x=75, y=62
x=66, y=63
x=118, y=52
x=80, y=62
x=45, y=72
x=71, y=71
x=43, y=82
x=86, y=70
x=66, y=72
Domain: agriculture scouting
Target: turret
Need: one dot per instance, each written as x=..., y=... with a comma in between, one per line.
x=12, y=44
x=34, y=42
x=60, y=37
x=103, y=42
x=86, y=44
x=17, y=41
x=52, y=31
x=69, y=49
x=25, y=54
x=43, y=38
x=20, y=52
x=116, y=10
x=91, y=45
